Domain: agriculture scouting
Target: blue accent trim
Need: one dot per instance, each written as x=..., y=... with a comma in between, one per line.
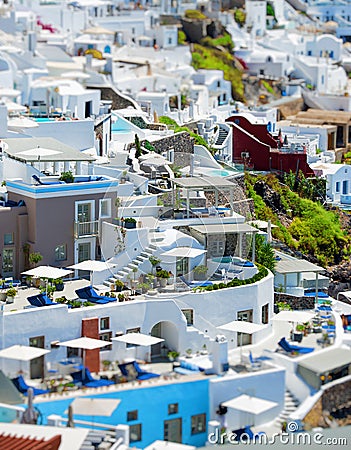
x=62, y=187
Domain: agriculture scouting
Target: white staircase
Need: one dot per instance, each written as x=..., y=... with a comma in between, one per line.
x=290, y=405
x=197, y=338
x=141, y=263
x=222, y=136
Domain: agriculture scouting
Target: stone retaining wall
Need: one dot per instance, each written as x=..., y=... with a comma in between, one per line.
x=296, y=303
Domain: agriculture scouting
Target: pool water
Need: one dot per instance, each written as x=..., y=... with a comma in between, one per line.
x=44, y=119
x=220, y=172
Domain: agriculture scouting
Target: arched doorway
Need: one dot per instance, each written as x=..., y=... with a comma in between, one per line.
x=167, y=331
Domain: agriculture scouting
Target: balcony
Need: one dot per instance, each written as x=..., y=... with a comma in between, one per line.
x=86, y=229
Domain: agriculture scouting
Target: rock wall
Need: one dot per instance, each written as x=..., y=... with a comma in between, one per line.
x=336, y=399
x=296, y=303
x=108, y=93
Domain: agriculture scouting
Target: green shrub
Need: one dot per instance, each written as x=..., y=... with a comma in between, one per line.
x=194, y=14
x=181, y=37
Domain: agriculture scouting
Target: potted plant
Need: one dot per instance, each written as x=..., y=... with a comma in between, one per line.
x=151, y=279
x=11, y=294
x=58, y=284
x=298, y=334
x=154, y=262
x=3, y=294
x=143, y=287
x=119, y=285
x=172, y=355
x=171, y=278
x=35, y=258
x=121, y=297
x=188, y=353
x=129, y=223
x=200, y=272
x=67, y=177
x=162, y=276
x=106, y=364
x=204, y=350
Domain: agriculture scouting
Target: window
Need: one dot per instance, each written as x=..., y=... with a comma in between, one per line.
x=104, y=323
x=169, y=41
x=135, y=432
x=173, y=408
x=7, y=261
x=105, y=208
x=106, y=337
x=198, y=424
x=132, y=330
x=265, y=309
x=337, y=186
x=322, y=79
x=132, y=415
x=8, y=239
x=189, y=315
x=61, y=253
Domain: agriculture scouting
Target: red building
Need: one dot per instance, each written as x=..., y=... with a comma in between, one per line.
x=255, y=147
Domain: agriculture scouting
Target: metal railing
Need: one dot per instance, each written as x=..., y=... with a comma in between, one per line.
x=84, y=229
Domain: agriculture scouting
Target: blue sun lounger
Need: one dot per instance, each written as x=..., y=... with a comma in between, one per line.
x=86, y=379
x=40, y=300
x=23, y=387
x=133, y=371
x=88, y=294
x=289, y=348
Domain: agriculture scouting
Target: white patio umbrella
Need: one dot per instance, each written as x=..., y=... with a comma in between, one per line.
x=39, y=152
x=22, y=353
x=251, y=405
x=240, y=326
x=138, y=339
x=84, y=343
x=92, y=266
x=47, y=272
x=93, y=407
x=294, y=316
x=98, y=30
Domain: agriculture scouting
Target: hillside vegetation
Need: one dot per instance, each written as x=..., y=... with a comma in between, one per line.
x=302, y=224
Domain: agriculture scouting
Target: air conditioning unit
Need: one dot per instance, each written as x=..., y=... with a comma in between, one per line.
x=245, y=155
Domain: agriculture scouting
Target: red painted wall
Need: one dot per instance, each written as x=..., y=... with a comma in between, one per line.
x=256, y=140
x=90, y=328
x=258, y=130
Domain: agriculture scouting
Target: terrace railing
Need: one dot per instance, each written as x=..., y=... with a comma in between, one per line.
x=85, y=229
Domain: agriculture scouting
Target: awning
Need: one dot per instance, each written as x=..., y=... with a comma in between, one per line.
x=288, y=264
x=23, y=352
x=253, y=405
x=224, y=228
x=94, y=406
x=327, y=360
x=184, y=252
x=84, y=343
x=47, y=272
x=294, y=316
x=240, y=326
x=138, y=339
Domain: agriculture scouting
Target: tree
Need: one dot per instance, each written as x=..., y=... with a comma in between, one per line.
x=265, y=253
x=154, y=262
x=137, y=146
x=35, y=258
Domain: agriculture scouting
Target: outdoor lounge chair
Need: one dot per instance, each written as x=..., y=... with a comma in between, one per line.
x=23, y=387
x=285, y=345
x=40, y=300
x=133, y=371
x=246, y=434
x=194, y=284
x=46, y=183
x=88, y=293
x=324, y=308
x=86, y=379
x=255, y=363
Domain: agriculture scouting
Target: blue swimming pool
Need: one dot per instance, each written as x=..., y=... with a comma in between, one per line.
x=151, y=404
x=220, y=172
x=44, y=119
